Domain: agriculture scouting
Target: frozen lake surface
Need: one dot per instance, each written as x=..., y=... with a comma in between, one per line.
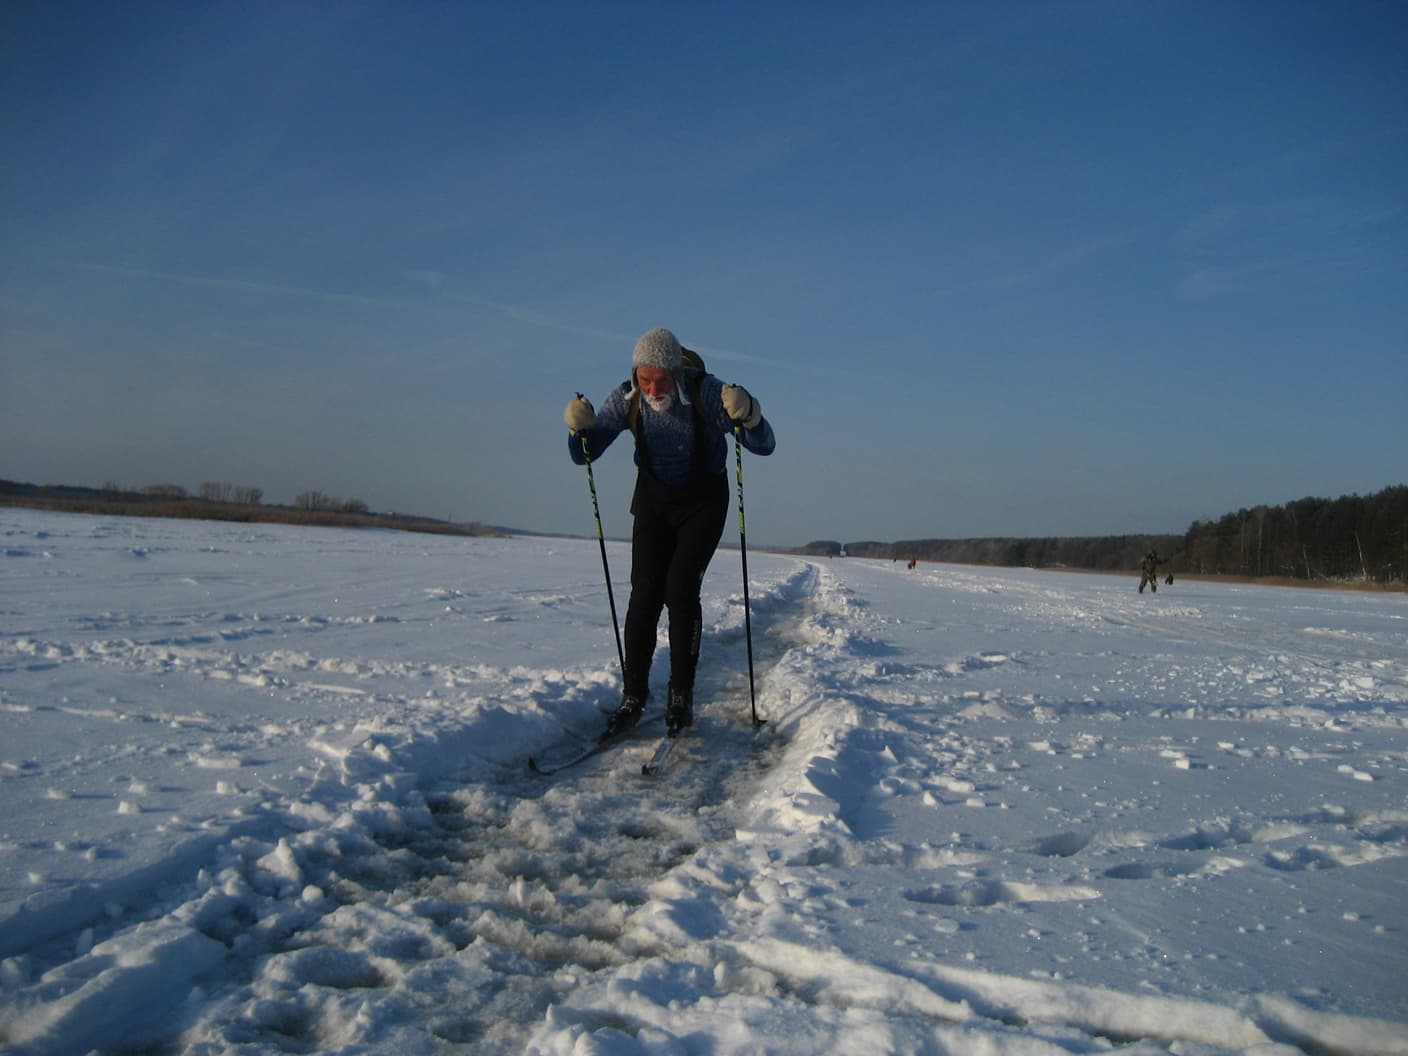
x=265, y=790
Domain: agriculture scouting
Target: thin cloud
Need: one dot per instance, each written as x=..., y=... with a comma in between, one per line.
x=248, y=285
x=536, y=318
x=1059, y=262
x=436, y=282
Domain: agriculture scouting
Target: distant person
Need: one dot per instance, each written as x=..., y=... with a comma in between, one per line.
x=912, y=562
x=1149, y=571
x=679, y=414
x=1168, y=582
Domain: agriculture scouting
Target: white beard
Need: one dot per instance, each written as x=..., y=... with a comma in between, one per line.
x=660, y=403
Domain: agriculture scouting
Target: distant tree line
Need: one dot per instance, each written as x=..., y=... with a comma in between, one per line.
x=219, y=501
x=223, y=491
x=1354, y=537
x=210, y=491
x=1098, y=553
x=316, y=500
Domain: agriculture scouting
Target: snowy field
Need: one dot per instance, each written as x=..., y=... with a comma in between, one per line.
x=265, y=789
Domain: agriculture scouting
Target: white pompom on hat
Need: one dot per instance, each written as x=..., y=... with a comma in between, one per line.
x=658, y=348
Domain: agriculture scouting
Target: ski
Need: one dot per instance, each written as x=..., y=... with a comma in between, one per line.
x=652, y=766
x=582, y=754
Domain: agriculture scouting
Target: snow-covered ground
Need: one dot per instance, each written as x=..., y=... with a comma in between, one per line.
x=265, y=790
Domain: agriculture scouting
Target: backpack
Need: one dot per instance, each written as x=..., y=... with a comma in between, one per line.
x=693, y=360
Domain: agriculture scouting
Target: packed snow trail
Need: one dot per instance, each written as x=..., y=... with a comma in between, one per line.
x=267, y=793
x=501, y=889
x=474, y=918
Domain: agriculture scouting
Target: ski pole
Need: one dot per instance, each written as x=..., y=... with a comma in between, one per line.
x=743, y=549
x=601, y=541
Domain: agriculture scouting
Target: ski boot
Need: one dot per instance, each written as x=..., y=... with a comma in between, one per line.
x=679, y=713
x=624, y=717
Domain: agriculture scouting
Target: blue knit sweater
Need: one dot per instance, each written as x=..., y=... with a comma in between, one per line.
x=669, y=434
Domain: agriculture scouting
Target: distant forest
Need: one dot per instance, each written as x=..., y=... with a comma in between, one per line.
x=217, y=501
x=1354, y=537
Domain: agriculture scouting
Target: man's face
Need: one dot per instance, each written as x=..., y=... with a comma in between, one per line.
x=654, y=381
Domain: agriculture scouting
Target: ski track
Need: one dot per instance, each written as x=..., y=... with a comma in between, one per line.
x=523, y=882
x=498, y=912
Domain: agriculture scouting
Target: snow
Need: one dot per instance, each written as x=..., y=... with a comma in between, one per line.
x=265, y=790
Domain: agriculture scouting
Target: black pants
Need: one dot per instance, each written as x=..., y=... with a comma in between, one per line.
x=673, y=539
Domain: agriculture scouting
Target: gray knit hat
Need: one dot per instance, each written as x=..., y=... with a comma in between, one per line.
x=658, y=348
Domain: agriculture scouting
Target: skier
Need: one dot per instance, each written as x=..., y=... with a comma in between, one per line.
x=679, y=414
x=1149, y=572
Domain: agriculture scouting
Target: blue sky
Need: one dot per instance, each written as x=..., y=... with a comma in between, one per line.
x=991, y=269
